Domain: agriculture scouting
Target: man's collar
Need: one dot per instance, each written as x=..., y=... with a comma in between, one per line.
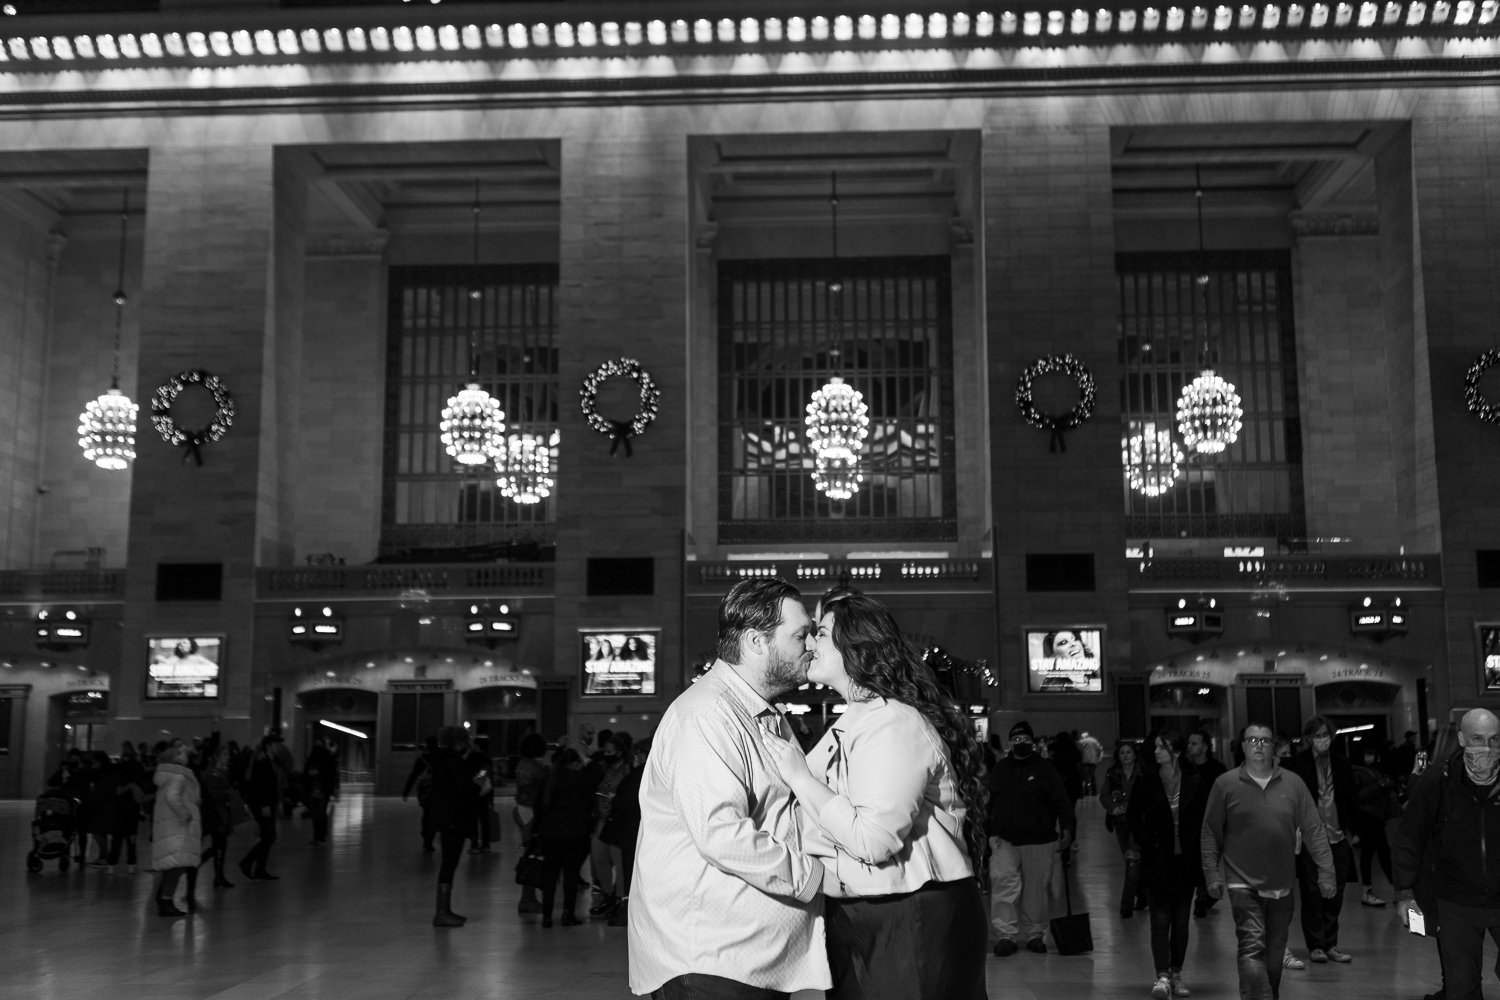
x=729, y=675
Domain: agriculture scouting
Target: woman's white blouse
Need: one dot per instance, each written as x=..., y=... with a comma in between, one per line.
x=896, y=820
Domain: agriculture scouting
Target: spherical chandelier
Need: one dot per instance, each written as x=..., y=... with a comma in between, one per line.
x=837, y=425
x=1208, y=414
x=1208, y=411
x=106, y=427
x=106, y=430
x=526, y=475
x=1152, y=460
x=473, y=426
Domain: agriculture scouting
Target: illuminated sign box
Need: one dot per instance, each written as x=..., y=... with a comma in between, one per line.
x=617, y=662
x=1064, y=660
x=183, y=668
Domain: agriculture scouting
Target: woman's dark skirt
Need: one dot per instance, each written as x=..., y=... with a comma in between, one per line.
x=922, y=945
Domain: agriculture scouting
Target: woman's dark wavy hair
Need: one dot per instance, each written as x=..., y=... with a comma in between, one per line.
x=882, y=662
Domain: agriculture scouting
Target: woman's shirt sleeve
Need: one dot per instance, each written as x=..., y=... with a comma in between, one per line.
x=880, y=784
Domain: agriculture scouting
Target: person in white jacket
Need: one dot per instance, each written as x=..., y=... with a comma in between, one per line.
x=884, y=799
x=176, y=829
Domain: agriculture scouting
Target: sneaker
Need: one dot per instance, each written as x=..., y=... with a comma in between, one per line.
x=1179, y=989
x=1290, y=961
x=1318, y=955
x=1037, y=945
x=1342, y=957
x=1004, y=948
x=604, y=905
x=1370, y=899
x=1163, y=988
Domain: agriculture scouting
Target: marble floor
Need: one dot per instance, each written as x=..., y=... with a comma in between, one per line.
x=350, y=921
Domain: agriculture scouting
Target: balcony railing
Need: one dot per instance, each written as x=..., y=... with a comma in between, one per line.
x=890, y=575
x=1293, y=572
x=455, y=580
x=94, y=585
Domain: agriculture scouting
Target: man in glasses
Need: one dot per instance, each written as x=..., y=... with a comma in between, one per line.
x=1445, y=848
x=1250, y=827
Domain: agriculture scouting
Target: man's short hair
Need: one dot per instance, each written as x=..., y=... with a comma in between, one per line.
x=1208, y=740
x=1257, y=725
x=1316, y=724
x=750, y=606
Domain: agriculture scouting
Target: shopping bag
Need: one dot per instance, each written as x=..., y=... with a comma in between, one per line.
x=531, y=867
x=1071, y=933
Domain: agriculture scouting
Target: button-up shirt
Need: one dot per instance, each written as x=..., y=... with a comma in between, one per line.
x=896, y=820
x=721, y=885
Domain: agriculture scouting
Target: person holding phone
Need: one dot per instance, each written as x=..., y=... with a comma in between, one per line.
x=1450, y=826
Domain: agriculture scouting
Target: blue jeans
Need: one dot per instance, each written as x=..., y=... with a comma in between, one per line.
x=1261, y=927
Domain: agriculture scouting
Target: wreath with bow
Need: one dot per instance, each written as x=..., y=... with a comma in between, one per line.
x=1053, y=364
x=620, y=431
x=192, y=441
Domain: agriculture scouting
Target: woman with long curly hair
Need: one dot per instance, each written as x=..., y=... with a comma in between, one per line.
x=892, y=800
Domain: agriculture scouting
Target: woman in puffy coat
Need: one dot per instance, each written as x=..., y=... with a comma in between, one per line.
x=176, y=829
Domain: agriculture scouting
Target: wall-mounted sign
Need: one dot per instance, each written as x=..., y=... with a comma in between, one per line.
x=616, y=662
x=1064, y=660
x=182, y=667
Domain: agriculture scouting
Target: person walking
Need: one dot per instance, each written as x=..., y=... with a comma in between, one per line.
x=1118, y=782
x=610, y=765
x=563, y=824
x=885, y=798
x=1200, y=760
x=1251, y=823
x=1091, y=752
x=1374, y=805
x=215, y=811
x=1170, y=856
x=624, y=825
x=1442, y=849
x=176, y=830
x=1031, y=821
x=321, y=770
x=1330, y=779
x=263, y=796
x=724, y=899
x=530, y=774
x=451, y=804
x=420, y=779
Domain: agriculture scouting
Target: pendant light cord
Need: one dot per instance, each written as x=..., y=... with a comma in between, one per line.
x=474, y=294
x=1202, y=277
x=836, y=284
x=114, y=380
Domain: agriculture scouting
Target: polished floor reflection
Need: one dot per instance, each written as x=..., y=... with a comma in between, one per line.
x=350, y=921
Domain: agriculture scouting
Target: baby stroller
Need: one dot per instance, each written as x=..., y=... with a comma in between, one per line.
x=52, y=831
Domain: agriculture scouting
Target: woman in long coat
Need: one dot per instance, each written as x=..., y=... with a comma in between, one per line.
x=176, y=829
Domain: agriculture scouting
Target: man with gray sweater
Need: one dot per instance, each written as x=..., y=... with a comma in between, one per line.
x=1250, y=828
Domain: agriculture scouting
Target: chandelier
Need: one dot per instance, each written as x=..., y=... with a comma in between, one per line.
x=106, y=428
x=473, y=425
x=1152, y=460
x=1208, y=411
x=836, y=423
x=526, y=476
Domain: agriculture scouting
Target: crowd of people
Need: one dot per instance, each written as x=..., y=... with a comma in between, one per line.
x=185, y=798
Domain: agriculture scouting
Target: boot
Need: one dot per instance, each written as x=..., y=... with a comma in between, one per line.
x=529, y=903
x=445, y=917
x=192, y=887
x=165, y=890
x=166, y=908
x=220, y=882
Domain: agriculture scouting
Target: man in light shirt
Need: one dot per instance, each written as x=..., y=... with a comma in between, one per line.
x=724, y=904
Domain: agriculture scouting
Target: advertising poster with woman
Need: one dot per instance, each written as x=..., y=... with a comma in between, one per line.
x=183, y=666
x=621, y=662
x=1065, y=660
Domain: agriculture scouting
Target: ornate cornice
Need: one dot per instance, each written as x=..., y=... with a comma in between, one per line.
x=353, y=244
x=1314, y=224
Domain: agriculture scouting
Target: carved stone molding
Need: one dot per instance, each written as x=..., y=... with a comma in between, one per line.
x=351, y=244
x=1313, y=224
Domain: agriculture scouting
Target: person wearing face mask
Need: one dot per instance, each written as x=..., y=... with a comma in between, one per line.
x=1450, y=828
x=1031, y=821
x=1330, y=778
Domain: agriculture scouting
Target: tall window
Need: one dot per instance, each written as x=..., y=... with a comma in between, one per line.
x=1253, y=489
x=781, y=336
x=430, y=501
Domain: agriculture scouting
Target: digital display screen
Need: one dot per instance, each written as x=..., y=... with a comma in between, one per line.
x=1489, y=651
x=618, y=662
x=1065, y=660
x=183, y=667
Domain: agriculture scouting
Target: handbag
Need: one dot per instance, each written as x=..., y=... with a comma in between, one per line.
x=1072, y=933
x=238, y=811
x=531, y=867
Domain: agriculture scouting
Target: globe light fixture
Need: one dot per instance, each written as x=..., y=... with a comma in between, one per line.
x=106, y=427
x=837, y=421
x=473, y=425
x=1153, y=461
x=1208, y=411
x=526, y=474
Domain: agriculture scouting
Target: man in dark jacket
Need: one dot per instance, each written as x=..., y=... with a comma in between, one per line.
x=1450, y=827
x=1330, y=779
x=1201, y=762
x=1031, y=819
x=262, y=791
